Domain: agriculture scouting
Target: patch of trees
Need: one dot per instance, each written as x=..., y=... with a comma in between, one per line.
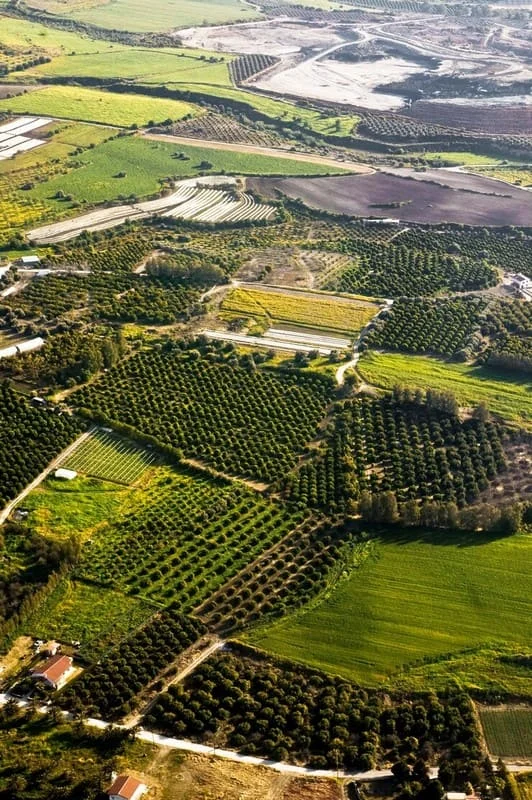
x=290, y=713
x=411, y=447
x=440, y=327
x=29, y=439
x=120, y=297
x=108, y=688
x=187, y=268
x=69, y=358
x=30, y=567
x=238, y=418
x=510, y=353
x=397, y=270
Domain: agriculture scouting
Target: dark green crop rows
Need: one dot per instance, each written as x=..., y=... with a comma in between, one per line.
x=246, y=422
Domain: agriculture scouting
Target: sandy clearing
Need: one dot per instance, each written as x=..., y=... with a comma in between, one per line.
x=274, y=38
x=250, y=149
x=342, y=82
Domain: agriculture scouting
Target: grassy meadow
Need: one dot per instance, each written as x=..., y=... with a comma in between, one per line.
x=505, y=394
x=325, y=313
x=508, y=731
x=83, y=505
x=92, y=105
x=419, y=596
x=94, y=616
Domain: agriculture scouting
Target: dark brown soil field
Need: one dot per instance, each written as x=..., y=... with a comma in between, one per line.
x=434, y=196
x=475, y=117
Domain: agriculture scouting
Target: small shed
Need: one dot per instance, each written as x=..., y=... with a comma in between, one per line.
x=29, y=261
x=125, y=787
x=455, y=796
x=64, y=474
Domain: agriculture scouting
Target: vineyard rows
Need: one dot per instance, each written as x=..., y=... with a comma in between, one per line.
x=109, y=458
x=245, y=67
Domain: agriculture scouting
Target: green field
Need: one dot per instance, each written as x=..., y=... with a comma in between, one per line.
x=145, y=162
x=505, y=394
x=508, y=731
x=59, y=508
x=92, y=105
x=419, y=596
x=150, y=66
x=137, y=15
x=322, y=312
x=92, y=615
x=110, y=458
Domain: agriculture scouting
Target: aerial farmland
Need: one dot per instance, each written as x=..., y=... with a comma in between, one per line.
x=265, y=415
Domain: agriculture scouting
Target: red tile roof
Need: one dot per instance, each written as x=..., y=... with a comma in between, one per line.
x=124, y=786
x=53, y=669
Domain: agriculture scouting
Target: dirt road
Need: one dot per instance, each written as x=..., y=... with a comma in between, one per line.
x=252, y=149
x=44, y=474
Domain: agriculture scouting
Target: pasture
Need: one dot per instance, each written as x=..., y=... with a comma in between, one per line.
x=83, y=505
x=418, y=596
x=92, y=105
x=322, y=312
x=508, y=731
x=139, y=16
x=508, y=396
x=110, y=458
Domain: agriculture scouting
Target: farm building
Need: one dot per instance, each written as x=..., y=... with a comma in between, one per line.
x=65, y=474
x=521, y=282
x=455, y=796
x=55, y=672
x=126, y=788
x=29, y=261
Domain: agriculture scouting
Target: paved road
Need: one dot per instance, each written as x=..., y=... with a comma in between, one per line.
x=53, y=464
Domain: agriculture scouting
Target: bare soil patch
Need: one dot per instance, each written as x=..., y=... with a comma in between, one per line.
x=271, y=38
x=433, y=196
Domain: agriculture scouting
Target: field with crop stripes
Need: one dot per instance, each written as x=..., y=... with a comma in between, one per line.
x=324, y=312
x=110, y=458
x=508, y=731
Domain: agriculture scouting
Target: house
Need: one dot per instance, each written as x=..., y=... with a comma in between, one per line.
x=126, y=788
x=65, y=474
x=55, y=672
x=521, y=282
x=29, y=261
x=38, y=402
x=455, y=796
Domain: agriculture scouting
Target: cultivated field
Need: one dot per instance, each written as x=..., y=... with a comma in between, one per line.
x=419, y=199
x=417, y=596
x=13, y=139
x=92, y=105
x=505, y=395
x=110, y=458
x=508, y=731
x=322, y=312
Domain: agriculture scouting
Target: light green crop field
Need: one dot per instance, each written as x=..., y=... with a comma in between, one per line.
x=138, y=15
x=145, y=162
x=420, y=596
x=508, y=731
x=92, y=615
x=92, y=105
x=506, y=395
x=19, y=33
x=59, y=508
x=149, y=66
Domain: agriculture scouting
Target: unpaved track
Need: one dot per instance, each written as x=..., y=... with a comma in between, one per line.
x=252, y=149
x=44, y=474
